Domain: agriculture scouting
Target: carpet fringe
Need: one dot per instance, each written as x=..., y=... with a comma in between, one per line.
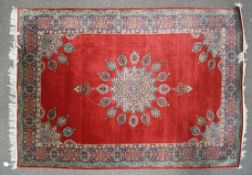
x=242, y=59
x=13, y=90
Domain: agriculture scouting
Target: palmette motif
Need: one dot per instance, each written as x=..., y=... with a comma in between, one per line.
x=47, y=131
x=133, y=89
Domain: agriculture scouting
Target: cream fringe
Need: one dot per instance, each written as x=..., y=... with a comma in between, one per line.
x=242, y=59
x=13, y=90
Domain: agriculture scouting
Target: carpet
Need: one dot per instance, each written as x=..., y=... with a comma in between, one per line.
x=129, y=88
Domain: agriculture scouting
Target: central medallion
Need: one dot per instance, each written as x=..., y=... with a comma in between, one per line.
x=134, y=89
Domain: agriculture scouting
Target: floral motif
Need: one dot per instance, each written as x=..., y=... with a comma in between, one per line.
x=62, y=59
x=202, y=121
x=47, y=132
x=50, y=45
x=52, y=65
x=133, y=89
x=215, y=48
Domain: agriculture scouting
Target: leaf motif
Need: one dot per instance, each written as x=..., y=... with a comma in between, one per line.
x=134, y=58
x=145, y=119
x=195, y=130
x=201, y=121
x=51, y=114
x=105, y=101
x=162, y=102
x=104, y=76
x=133, y=121
x=61, y=121
x=156, y=66
x=52, y=65
x=155, y=113
x=111, y=112
x=211, y=64
x=62, y=59
x=68, y=132
x=183, y=88
x=122, y=60
x=162, y=76
x=210, y=115
x=121, y=119
x=84, y=89
x=103, y=88
x=202, y=57
x=146, y=60
x=164, y=89
x=197, y=47
x=111, y=65
x=68, y=48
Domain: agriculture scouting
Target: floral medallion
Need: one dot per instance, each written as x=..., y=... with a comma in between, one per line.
x=134, y=88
